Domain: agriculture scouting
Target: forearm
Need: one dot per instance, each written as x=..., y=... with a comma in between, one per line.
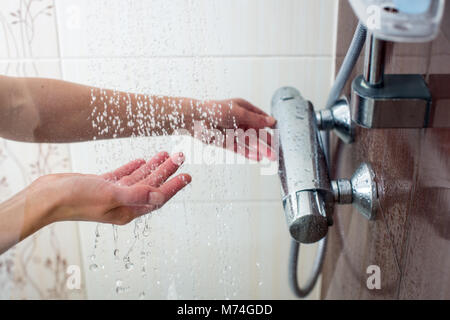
x=22, y=215
x=46, y=110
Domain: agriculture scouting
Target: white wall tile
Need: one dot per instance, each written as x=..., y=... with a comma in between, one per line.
x=28, y=29
x=39, y=272
x=31, y=68
x=108, y=28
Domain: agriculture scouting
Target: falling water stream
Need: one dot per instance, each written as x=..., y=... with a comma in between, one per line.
x=139, y=265
x=223, y=236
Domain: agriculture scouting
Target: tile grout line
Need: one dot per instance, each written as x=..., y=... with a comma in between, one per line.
x=161, y=57
x=259, y=57
x=81, y=254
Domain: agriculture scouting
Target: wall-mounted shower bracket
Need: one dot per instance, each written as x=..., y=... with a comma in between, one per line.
x=403, y=101
x=381, y=100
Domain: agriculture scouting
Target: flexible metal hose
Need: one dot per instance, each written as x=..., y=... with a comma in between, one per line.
x=302, y=292
x=342, y=77
x=351, y=57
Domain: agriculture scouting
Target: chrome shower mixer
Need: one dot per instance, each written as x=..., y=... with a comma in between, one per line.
x=308, y=194
x=378, y=100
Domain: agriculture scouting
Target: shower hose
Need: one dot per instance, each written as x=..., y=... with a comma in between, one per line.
x=342, y=77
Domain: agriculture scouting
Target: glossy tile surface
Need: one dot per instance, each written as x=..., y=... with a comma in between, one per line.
x=410, y=237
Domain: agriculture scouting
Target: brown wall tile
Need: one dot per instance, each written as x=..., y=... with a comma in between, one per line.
x=410, y=237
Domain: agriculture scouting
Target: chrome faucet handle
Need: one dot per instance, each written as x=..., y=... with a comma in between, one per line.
x=339, y=119
x=360, y=190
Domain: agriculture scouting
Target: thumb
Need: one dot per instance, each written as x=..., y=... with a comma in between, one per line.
x=137, y=195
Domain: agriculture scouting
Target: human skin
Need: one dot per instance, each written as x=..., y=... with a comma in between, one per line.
x=118, y=197
x=49, y=110
x=55, y=111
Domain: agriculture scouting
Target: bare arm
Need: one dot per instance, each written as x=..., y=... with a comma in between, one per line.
x=47, y=110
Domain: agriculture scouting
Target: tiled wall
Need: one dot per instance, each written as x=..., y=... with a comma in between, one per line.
x=225, y=236
x=409, y=238
x=36, y=268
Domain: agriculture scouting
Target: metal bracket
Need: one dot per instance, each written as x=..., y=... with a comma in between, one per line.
x=388, y=100
x=379, y=100
x=403, y=101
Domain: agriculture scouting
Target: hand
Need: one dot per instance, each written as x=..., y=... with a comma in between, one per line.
x=117, y=197
x=228, y=115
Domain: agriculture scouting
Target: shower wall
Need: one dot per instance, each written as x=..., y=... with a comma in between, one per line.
x=35, y=268
x=223, y=237
x=409, y=239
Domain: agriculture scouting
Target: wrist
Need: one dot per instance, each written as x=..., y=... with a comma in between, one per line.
x=190, y=111
x=199, y=111
x=43, y=201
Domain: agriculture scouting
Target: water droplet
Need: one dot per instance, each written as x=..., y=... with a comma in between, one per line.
x=129, y=266
x=120, y=290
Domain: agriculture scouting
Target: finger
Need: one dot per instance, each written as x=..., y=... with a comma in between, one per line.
x=165, y=170
x=250, y=107
x=261, y=142
x=141, y=210
x=171, y=187
x=144, y=170
x=265, y=145
x=265, y=136
x=133, y=199
x=254, y=149
x=136, y=195
x=252, y=119
x=125, y=214
x=241, y=146
x=250, y=140
x=238, y=147
x=123, y=170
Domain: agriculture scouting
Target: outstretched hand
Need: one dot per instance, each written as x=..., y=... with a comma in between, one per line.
x=255, y=141
x=120, y=196
x=116, y=197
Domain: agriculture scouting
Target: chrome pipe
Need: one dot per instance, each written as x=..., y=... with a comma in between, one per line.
x=374, y=61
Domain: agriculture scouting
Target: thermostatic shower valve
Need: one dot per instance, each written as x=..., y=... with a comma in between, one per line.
x=308, y=194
